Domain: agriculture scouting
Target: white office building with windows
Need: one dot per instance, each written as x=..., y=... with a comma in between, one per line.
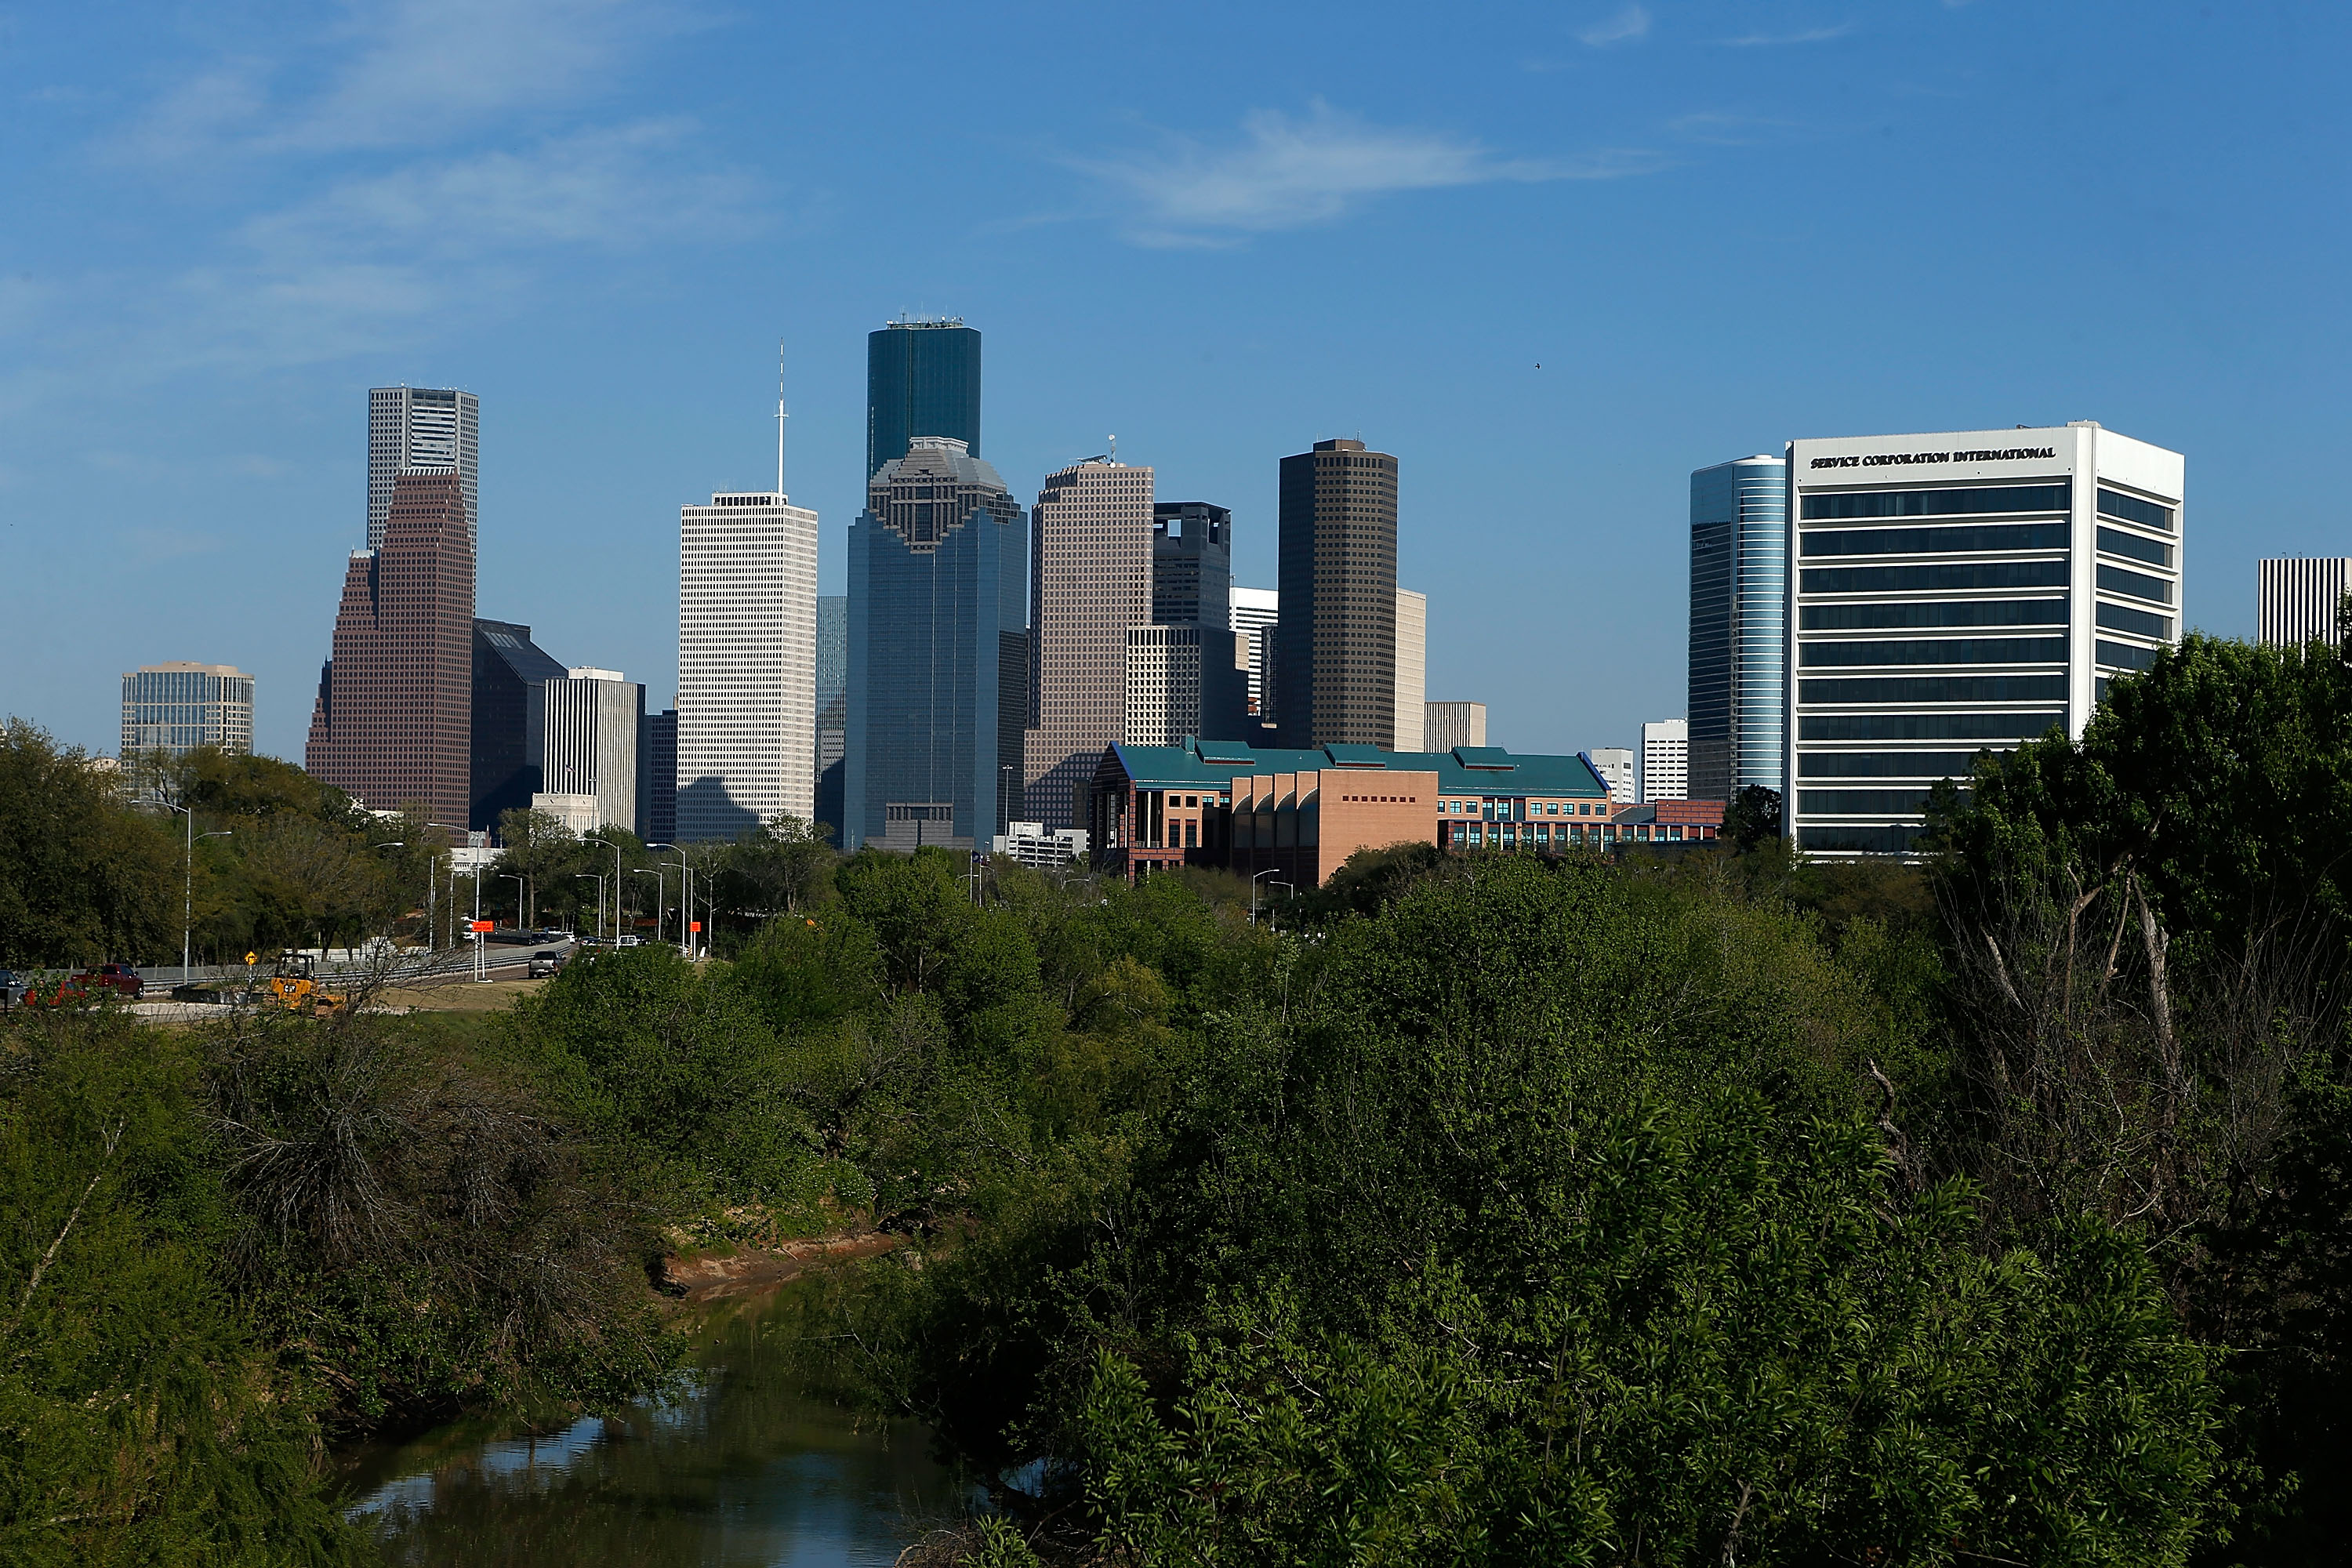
x=1952, y=593
x=587, y=723
x=1665, y=759
x=746, y=664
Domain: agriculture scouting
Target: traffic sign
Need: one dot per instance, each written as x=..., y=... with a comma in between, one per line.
x=486, y=925
x=695, y=926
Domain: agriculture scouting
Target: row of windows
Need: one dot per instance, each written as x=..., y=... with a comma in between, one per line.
x=1861, y=801
x=1950, y=613
x=1937, y=688
x=1866, y=840
x=1884, y=765
x=2131, y=508
x=1985, y=538
x=1935, y=650
x=2134, y=585
x=1939, y=579
x=2123, y=656
x=2139, y=623
x=2115, y=542
x=1942, y=503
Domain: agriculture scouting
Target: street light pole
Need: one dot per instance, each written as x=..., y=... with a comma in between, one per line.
x=516, y=878
x=1269, y=871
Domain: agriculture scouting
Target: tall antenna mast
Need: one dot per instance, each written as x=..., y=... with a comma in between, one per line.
x=781, y=416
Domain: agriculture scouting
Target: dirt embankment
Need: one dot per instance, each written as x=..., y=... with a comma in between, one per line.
x=711, y=1276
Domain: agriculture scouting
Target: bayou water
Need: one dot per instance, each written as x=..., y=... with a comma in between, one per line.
x=743, y=1467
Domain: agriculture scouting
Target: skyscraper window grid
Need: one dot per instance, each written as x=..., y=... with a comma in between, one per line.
x=176, y=707
x=423, y=430
x=746, y=663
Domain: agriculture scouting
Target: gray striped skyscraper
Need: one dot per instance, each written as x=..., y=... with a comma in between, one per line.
x=423, y=430
x=1739, y=622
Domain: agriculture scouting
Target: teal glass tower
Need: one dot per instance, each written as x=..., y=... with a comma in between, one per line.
x=922, y=378
x=1738, y=625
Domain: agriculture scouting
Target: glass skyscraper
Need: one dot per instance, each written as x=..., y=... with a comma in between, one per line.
x=1738, y=625
x=939, y=653
x=922, y=378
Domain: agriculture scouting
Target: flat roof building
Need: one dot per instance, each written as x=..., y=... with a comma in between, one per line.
x=1665, y=759
x=2297, y=601
x=1092, y=545
x=1446, y=725
x=1336, y=660
x=746, y=664
x=1958, y=591
x=177, y=707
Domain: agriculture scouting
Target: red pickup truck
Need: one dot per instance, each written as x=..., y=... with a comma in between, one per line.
x=119, y=978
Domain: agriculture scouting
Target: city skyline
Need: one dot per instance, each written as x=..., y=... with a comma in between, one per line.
x=1717, y=194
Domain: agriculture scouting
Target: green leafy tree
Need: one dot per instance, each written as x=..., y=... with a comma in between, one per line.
x=83, y=878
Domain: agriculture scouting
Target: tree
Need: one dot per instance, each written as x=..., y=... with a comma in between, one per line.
x=1752, y=818
x=83, y=878
x=538, y=846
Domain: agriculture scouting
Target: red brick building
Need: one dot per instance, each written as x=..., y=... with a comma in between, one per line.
x=392, y=723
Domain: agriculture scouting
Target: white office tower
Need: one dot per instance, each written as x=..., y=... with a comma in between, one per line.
x=1411, y=669
x=2299, y=600
x=746, y=664
x=1615, y=765
x=177, y=707
x=1446, y=725
x=1665, y=759
x=1956, y=592
x=587, y=723
x=1255, y=612
x=423, y=430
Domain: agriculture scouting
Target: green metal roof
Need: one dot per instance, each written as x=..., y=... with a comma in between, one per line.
x=1466, y=769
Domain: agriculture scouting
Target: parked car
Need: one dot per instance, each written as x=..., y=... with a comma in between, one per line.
x=543, y=966
x=12, y=988
x=119, y=978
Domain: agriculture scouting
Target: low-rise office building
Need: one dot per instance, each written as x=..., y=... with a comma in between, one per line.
x=1297, y=814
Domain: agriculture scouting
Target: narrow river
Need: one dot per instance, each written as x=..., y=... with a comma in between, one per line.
x=743, y=1467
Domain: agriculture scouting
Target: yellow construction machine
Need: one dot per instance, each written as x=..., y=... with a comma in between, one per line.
x=293, y=982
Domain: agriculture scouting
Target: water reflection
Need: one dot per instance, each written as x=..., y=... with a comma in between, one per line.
x=742, y=1468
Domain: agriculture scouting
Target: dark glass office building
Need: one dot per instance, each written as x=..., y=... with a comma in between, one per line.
x=505, y=741
x=939, y=653
x=922, y=378
x=1739, y=623
x=1191, y=564
x=1336, y=661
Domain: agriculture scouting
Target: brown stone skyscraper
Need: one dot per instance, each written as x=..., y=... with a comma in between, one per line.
x=1089, y=580
x=394, y=717
x=1335, y=666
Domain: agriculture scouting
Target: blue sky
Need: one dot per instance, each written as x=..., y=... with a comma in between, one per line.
x=1552, y=256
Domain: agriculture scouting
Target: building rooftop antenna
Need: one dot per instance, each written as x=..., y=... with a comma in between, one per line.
x=781, y=417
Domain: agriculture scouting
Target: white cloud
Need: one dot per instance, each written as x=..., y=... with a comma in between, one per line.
x=1632, y=22
x=410, y=73
x=1290, y=174
x=1773, y=41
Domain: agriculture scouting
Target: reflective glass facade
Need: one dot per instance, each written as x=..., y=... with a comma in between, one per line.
x=922, y=378
x=939, y=653
x=1739, y=600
